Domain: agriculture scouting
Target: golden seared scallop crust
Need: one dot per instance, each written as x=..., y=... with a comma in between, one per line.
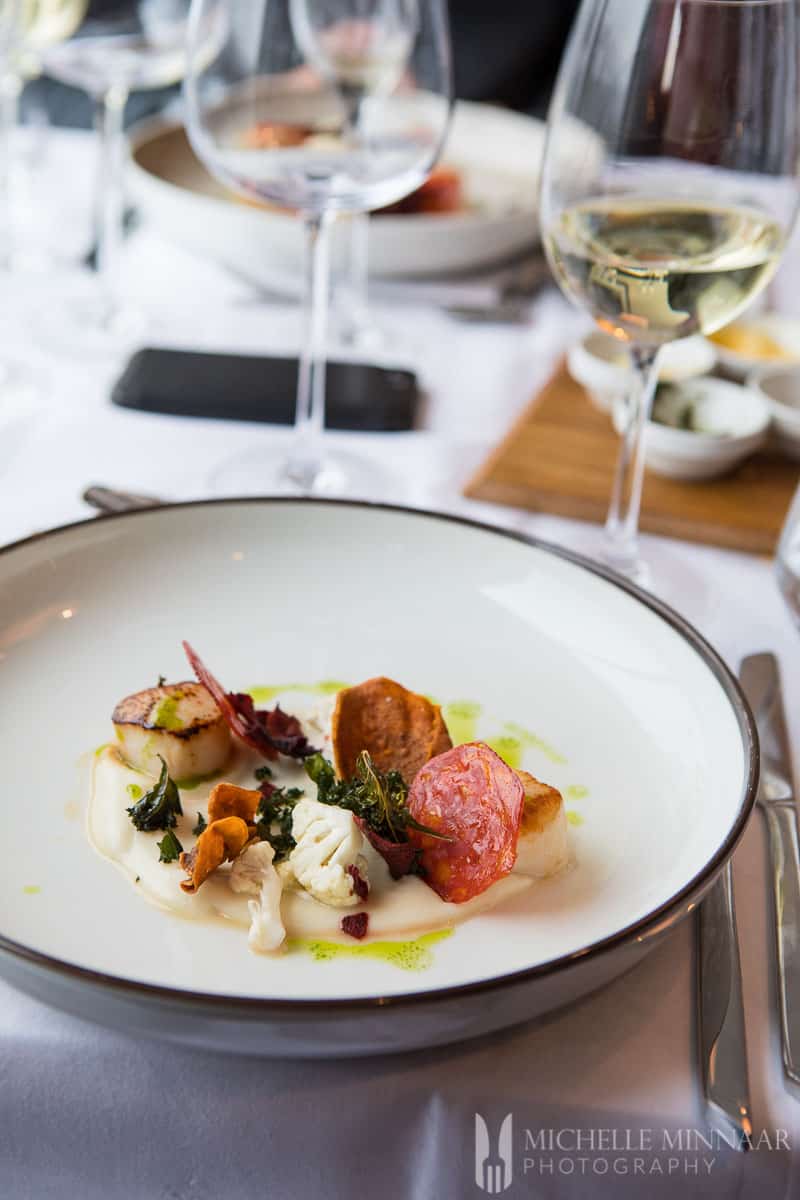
x=182, y=709
x=400, y=730
x=542, y=804
x=177, y=723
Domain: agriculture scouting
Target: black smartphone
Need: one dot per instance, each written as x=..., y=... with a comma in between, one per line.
x=239, y=387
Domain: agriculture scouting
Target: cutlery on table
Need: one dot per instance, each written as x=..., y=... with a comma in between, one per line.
x=515, y=293
x=501, y=293
x=760, y=679
x=720, y=1014
x=113, y=500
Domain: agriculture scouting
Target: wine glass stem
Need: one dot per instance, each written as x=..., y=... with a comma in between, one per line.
x=109, y=194
x=622, y=523
x=10, y=91
x=305, y=464
x=355, y=299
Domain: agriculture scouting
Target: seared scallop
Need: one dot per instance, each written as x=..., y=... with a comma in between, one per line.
x=543, y=846
x=179, y=722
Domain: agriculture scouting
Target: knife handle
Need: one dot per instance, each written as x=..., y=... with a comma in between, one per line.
x=721, y=1030
x=785, y=867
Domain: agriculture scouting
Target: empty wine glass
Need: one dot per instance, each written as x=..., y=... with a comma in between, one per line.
x=359, y=46
x=27, y=28
x=269, y=120
x=355, y=328
x=132, y=45
x=668, y=187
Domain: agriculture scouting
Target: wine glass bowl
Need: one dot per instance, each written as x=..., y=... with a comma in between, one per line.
x=682, y=214
x=272, y=124
x=144, y=48
x=363, y=52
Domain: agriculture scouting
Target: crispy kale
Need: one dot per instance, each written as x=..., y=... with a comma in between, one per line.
x=379, y=803
x=379, y=800
x=160, y=807
x=169, y=848
x=274, y=819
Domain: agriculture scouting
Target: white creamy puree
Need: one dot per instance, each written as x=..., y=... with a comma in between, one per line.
x=404, y=907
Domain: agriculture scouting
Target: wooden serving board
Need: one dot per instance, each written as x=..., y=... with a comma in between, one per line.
x=559, y=458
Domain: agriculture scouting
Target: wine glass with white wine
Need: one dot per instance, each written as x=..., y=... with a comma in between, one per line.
x=683, y=204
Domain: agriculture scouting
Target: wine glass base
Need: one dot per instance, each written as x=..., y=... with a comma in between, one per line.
x=360, y=337
x=634, y=569
x=85, y=324
x=339, y=474
x=20, y=386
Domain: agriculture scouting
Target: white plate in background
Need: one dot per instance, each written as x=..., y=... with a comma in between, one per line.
x=499, y=153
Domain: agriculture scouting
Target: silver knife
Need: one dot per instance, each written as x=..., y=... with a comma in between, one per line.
x=760, y=679
x=721, y=1032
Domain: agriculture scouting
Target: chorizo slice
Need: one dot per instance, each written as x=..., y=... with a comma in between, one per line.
x=474, y=802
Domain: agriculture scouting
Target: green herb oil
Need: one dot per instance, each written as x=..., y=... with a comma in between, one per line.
x=461, y=719
x=408, y=956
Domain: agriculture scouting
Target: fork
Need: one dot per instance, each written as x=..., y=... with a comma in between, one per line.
x=493, y=1175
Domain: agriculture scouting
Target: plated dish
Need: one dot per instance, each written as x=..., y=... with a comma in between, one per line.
x=568, y=675
x=495, y=156
x=386, y=830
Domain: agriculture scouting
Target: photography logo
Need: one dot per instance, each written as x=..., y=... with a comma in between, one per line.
x=493, y=1166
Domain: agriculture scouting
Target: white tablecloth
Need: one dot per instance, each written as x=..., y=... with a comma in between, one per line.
x=85, y=1113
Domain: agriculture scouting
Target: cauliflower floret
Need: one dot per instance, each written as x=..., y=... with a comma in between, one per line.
x=328, y=842
x=254, y=873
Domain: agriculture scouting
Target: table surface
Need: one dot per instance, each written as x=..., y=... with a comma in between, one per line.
x=87, y=1113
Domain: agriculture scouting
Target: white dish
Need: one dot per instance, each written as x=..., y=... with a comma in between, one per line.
x=734, y=423
x=782, y=330
x=498, y=152
x=781, y=389
x=630, y=713
x=599, y=364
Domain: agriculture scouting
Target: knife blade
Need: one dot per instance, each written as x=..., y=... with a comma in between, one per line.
x=760, y=679
x=721, y=1029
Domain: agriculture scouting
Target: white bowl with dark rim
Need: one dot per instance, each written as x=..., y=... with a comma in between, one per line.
x=498, y=154
x=610, y=695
